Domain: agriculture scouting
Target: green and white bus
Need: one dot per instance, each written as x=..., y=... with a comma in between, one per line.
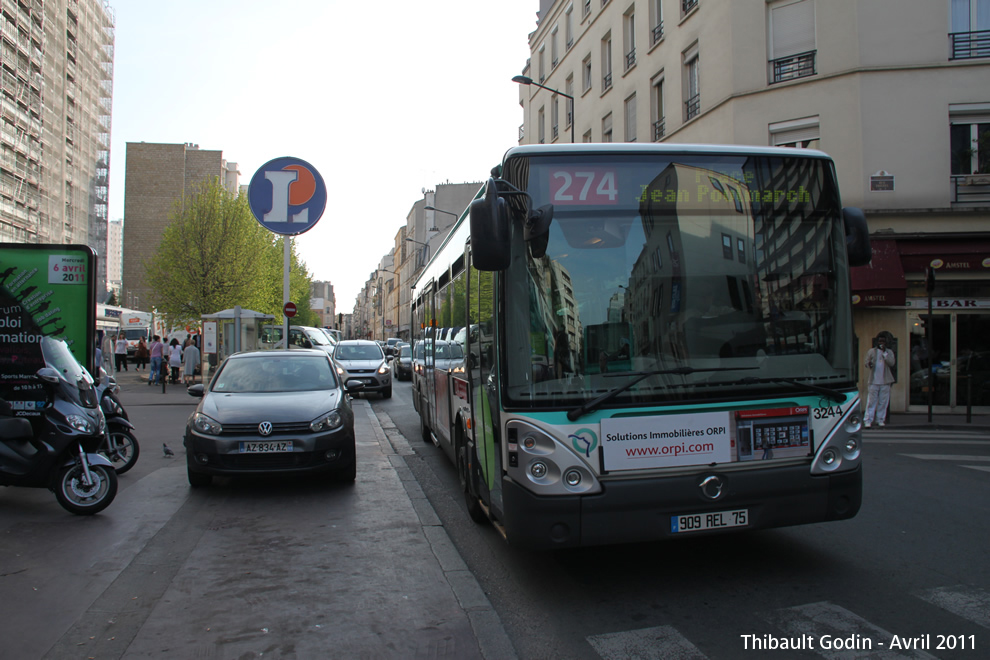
x=623, y=342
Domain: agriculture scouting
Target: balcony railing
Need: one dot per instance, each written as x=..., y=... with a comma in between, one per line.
x=971, y=189
x=630, y=59
x=692, y=106
x=967, y=45
x=555, y=132
x=793, y=66
x=606, y=81
x=657, y=33
x=688, y=5
x=659, y=129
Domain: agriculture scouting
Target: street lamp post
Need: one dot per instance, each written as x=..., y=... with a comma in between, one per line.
x=433, y=208
x=526, y=80
x=426, y=252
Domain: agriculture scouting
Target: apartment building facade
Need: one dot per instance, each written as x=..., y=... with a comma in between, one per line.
x=55, y=117
x=896, y=91
x=158, y=176
x=427, y=225
x=324, y=303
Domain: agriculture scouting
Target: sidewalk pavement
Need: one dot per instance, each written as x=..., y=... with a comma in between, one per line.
x=436, y=575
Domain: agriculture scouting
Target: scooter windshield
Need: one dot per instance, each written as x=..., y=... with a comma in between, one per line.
x=76, y=382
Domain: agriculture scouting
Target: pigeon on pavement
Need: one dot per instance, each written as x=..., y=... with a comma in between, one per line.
x=168, y=452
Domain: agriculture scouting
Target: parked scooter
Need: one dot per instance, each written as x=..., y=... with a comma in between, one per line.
x=120, y=445
x=57, y=449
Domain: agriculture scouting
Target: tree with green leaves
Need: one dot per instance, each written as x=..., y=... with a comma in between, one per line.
x=214, y=255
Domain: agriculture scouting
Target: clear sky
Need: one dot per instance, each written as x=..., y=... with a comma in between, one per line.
x=384, y=98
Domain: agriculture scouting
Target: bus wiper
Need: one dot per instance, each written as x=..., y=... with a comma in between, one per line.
x=835, y=395
x=594, y=404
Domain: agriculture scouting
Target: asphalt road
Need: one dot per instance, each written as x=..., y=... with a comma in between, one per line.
x=913, y=564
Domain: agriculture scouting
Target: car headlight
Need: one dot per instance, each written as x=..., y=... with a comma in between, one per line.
x=384, y=368
x=80, y=423
x=340, y=370
x=206, y=425
x=330, y=421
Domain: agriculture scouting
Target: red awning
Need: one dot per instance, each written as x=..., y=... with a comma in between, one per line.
x=944, y=256
x=881, y=282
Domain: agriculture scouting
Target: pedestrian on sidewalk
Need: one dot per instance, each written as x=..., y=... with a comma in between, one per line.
x=156, y=351
x=880, y=363
x=175, y=359
x=190, y=362
x=120, y=353
x=141, y=354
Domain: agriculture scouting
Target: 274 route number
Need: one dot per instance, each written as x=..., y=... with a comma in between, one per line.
x=577, y=187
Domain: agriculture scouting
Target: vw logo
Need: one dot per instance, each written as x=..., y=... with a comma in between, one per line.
x=711, y=487
x=265, y=428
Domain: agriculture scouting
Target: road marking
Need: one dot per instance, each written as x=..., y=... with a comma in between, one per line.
x=948, y=457
x=982, y=468
x=828, y=624
x=659, y=643
x=970, y=603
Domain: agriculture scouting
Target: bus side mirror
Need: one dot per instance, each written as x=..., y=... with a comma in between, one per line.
x=857, y=236
x=489, y=231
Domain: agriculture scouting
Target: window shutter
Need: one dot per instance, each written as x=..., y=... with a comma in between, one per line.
x=792, y=28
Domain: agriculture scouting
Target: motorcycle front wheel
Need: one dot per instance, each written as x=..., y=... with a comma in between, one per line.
x=122, y=449
x=77, y=497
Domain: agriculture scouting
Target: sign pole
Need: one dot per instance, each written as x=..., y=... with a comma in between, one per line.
x=286, y=251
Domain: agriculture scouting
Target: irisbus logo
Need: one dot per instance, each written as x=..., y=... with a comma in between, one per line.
x=585, y=441
x=287, y=196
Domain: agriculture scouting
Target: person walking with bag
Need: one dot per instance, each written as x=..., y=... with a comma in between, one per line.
x=157, y=352
x=880, y=363
x=120, y=353
x=175, y=359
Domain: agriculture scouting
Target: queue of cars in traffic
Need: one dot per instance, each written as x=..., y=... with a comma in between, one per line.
x=287, y=410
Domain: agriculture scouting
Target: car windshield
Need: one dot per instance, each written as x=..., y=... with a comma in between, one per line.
x=358, y=352
x=405, y=351
x=705, y=262
x=317, y=338
x=275, y=374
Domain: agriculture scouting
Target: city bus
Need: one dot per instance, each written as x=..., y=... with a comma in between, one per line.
x=656, y=341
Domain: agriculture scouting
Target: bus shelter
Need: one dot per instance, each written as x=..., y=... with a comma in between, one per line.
x=233, y=330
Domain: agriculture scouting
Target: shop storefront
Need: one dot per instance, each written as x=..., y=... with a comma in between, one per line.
x=891, y=295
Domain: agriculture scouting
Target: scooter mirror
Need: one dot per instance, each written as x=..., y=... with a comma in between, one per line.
x=47, y=375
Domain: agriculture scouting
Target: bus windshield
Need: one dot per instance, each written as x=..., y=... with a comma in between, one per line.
x=722, y=273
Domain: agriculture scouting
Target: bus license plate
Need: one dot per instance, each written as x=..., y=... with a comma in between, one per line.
x=698, y=522
x=265, y=447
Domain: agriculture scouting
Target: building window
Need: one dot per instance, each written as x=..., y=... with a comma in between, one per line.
x=569, y=27
x=657, y=114
x=607, y=128
x=553, y=49
x=586, y=74
x=542, y=64
x=970, y=25
x=688, y=6
x=629, y=37
x=586, y=11
x=656, y=20
x=692, y=89
x=630, y=116
x=726, y=247
x=541, y=126
x=554, y=118
x=802, y=133
x=791, y=25
x=741, y=250
x=969, y=135
x=587, y=136
x=607, y=63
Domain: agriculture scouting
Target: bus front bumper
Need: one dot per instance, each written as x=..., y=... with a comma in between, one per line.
x=637, y=510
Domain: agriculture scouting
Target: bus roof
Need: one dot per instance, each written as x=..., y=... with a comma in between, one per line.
x=659, y=149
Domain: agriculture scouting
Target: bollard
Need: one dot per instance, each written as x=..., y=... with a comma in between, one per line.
x=969, y=399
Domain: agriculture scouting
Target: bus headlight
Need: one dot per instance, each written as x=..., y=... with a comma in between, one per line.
x=547, y=465
x=572, y=478
x=538, y=469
